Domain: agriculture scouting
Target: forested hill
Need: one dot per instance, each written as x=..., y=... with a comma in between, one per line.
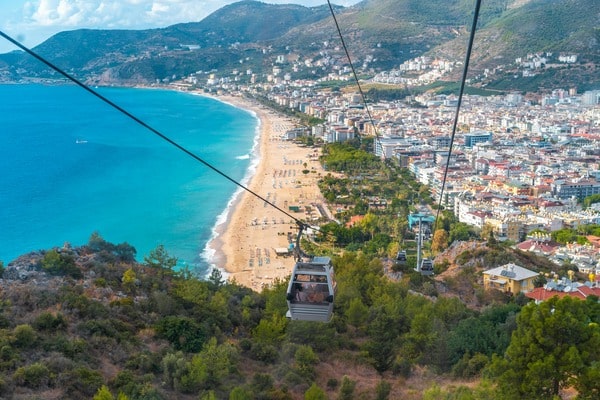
x=90, y=322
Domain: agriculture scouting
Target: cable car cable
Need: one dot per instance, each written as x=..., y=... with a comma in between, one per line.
x=362, y=94
x=460, y=96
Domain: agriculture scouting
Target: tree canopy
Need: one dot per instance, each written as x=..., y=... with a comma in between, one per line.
x=554, y=347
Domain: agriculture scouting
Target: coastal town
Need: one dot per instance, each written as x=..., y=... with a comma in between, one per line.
x=300, y=201
x=519, y=164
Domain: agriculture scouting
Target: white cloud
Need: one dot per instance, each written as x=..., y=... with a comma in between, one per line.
x=35, y=20
x=55, y=12
x=116, y=13
x=128, y=13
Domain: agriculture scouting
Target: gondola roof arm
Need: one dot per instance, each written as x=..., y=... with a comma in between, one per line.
x=298, y=252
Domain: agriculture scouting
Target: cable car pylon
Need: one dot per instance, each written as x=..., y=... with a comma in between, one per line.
x=424, y=265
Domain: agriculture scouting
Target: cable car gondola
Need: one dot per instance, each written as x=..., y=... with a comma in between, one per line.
x=401, y=257
x=311, y=289
x=427, y=266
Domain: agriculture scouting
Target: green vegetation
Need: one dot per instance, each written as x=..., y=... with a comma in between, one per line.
x=593, y=199
x=164, y=334
x=551, y=350
x=56, y=263
x=376, y=94
x=105, y=326
x=577, y=235
x=368, y=180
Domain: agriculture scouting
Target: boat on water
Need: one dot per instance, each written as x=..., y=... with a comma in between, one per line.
x=79, y=141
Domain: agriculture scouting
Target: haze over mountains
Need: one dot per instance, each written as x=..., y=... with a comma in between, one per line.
x=379, y=34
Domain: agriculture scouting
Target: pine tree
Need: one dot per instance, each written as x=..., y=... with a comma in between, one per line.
x=554, y=347
x=103, y=394
x=315, y=393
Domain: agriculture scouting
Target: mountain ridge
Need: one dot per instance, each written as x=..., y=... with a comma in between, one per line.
x=380, y=34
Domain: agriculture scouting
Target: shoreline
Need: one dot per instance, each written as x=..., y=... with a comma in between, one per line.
x=211, y=253
x=247, y=245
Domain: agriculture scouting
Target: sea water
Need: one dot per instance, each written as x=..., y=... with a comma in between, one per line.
x=71, y=165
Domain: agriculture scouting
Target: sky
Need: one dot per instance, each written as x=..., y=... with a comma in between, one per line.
x=32, y=21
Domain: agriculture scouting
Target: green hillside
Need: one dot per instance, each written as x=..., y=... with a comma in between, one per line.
x=379, y=34
x=88, y=322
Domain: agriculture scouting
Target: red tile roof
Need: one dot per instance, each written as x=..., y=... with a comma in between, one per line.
x=540, y=294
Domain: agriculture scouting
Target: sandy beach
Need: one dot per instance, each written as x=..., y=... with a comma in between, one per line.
x=250, y=243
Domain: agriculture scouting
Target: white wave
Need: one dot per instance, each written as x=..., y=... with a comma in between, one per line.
x=209, y=253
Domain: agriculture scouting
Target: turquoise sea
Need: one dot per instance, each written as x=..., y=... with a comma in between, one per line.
x=71, y=165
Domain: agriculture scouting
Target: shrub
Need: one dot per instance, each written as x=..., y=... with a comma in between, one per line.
x=144, y=362
x=463, y=257
x=315, y=393
x=25, y=336
x=262, y=382
x=103, y=394
x=86, y=307
x=56, y=263
x=58, y=363
x=245, y=344
x=293, y=378
x=32, y=376
x=264, y=352
x=347, y=389
x=239, y=393
x=83, y=383
x=305, y=361
x=469, y=367
x=207, y=369
x=402, y=367
x=182, y=332
x=8, y=355
x=72, y=349
x=100, y=282
x=382, y=390
x=144, y=391
x=163, y=304
x=46, y=321
x=173, y=367
x=102, y=327
x=124, y=380
x=321, y=337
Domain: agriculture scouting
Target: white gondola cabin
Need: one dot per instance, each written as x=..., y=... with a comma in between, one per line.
x=401, y=257
x=427, y=266
x=311, y=290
